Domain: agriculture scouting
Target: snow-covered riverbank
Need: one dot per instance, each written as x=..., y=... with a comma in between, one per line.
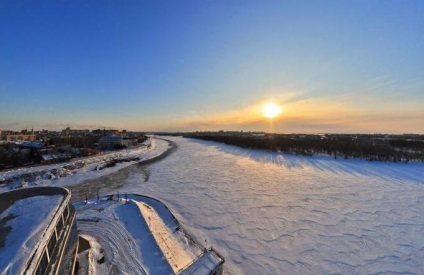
x=77, y=171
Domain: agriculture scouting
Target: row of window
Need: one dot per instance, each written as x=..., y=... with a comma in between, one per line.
x=49, y=253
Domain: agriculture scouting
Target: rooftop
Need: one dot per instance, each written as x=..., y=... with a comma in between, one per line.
x=25, y=219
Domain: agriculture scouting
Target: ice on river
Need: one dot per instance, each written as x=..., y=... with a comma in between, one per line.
x=275, y=213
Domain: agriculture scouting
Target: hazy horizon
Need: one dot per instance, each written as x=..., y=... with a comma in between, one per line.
x=332, y=66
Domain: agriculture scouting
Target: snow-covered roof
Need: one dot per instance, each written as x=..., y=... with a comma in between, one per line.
x=27, y=218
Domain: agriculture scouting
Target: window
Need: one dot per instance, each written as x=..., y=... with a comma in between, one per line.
x=42, y=266
x=51, y=245
x=59, y=226
x=66, y=212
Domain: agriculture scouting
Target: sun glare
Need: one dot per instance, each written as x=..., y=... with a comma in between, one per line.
x=271, y=110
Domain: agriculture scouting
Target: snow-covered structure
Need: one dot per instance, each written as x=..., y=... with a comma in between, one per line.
x=147, y=229
x=38, y=232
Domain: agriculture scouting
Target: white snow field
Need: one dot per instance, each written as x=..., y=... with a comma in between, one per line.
x=284, y=214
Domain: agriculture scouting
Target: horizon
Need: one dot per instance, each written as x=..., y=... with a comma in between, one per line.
x=330, y=66
x=215, y=131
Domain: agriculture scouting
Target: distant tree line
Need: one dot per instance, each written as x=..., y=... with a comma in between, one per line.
x=368, y=147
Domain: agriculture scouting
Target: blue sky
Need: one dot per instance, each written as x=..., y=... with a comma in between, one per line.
x=333, y=66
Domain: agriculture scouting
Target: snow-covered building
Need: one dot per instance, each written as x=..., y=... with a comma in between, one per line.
x=53, y=158
x=38, y=233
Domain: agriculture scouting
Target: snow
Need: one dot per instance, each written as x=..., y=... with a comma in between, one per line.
x=138, y=236
x=77, y=171
x=112, y=233
x=175, y=254
x=272, y=213
x=208, y=261
x=26, y=230
x=90, y=260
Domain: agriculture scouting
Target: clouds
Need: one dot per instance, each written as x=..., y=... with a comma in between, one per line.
x=361, y=111
x=366, y=113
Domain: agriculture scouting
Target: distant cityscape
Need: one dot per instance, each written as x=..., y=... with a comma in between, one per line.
x=29, y=147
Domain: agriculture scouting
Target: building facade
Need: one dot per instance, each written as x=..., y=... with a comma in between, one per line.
x=20, y=137
x=111, y=142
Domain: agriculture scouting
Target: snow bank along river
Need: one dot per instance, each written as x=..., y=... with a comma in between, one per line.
x=84, y=169
x=273, y=213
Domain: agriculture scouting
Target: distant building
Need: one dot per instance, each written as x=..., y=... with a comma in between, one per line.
x=53, y=158
x=111, y=142
x=112, y=132
x=68, y=132
x=5, y=133
x=20, y=137
x=104, y=132
x=97, y=132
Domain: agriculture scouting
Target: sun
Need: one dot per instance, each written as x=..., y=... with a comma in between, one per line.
x=271, y=110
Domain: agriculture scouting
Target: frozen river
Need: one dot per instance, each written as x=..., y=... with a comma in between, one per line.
x=273, y=213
